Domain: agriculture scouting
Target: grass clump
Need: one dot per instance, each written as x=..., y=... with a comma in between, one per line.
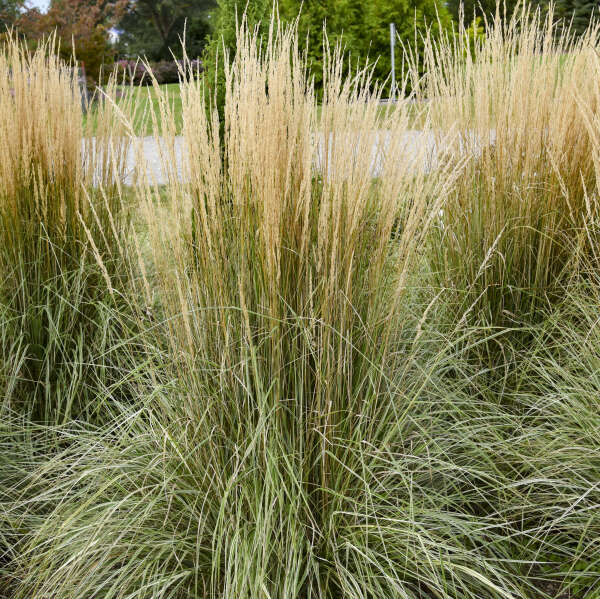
x=287, y=459
x=62, y=221
x=290, y=408
x=515, y=224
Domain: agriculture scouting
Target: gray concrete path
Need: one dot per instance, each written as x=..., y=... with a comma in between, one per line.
x=415, y=146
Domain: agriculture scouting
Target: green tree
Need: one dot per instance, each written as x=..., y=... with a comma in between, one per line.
x=583, y=13
x=228, y=15
x=576, y=14
x=363, y=27
x=226, y=18
x=563, y=10
x=485, y=9
x=9, y=12
x=314, y=14
x=412, y=19
x=153, y=28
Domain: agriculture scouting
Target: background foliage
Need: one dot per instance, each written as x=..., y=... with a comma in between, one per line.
x=579, y=11
x=154, y=29
x=362, y=28
x=82, y=28
x=478, y=8
x=9, y=11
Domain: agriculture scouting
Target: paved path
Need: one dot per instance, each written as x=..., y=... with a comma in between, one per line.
x=414, y=144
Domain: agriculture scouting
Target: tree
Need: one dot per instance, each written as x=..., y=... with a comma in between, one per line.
x=574, y=14
x=363, y=27
x=412, y=19
x=583, y=13
x=154, y=28
x=81, y=27
x=563, y=11
x=485, y=9
x=9, y=12
x=226, y=20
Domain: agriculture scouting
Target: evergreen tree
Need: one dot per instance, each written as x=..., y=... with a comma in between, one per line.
x=228, y=15
x=153, y=28
x=312, y=16
x=485, y=9
x=563, y=10
x=576, y=14
x=226, y=19
x=583, y=13
x=412, y=19
x=363, y=27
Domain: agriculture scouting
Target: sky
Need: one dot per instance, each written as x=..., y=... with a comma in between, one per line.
x=41, y=4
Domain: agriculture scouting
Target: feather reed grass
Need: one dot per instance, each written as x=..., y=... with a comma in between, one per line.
x=287, y=266
x=300, y=418
x=515, y=225
x=286, y=460
x=62, y=218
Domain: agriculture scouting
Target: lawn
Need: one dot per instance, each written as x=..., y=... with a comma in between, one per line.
x=147, y=104
x=142, y=103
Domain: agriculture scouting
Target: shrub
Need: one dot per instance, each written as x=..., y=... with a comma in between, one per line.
x=138, y=73
x=132, y=71
x=166, y=71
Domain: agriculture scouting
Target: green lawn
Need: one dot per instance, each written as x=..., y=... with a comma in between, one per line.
x=148, y=104
x=147, y=100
